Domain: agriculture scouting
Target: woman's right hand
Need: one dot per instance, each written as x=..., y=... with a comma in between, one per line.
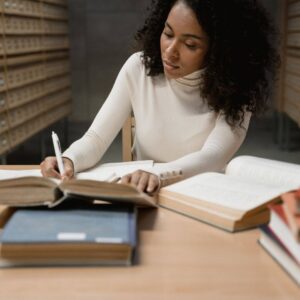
x=49, y=168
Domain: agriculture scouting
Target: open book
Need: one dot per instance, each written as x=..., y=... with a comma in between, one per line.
x=29, y=188
x=235, y=200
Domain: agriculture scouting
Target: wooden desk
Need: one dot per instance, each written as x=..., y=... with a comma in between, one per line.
x=177, y=258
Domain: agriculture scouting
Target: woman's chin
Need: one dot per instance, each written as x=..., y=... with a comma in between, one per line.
x=172, y=74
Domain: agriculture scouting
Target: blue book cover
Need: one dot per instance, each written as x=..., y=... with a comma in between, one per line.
x=72, y=223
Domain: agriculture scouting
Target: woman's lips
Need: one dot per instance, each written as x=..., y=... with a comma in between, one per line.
x=169, y=66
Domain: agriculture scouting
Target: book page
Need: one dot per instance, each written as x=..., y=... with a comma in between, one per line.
x=226, y=190
x=109, y=171
x=102, y=172
x=267, y=171
x=9, y=174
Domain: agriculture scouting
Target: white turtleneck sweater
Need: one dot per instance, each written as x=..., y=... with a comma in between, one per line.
x=174, y=126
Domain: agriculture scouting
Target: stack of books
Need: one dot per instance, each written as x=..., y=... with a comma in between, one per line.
x=281, y=237
x=84, y=221
x=74, y=233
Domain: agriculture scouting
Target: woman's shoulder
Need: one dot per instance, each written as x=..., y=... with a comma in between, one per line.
x=134, y=63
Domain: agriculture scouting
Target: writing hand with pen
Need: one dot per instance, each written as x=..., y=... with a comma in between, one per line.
x=49, y=168
x=57, y=167
x=63, y=168
x=144, y=181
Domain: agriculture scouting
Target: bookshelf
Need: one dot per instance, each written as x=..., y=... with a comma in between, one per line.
x=35, y=87
x=288, y=99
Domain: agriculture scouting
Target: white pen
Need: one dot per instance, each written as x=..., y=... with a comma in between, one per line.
x=58, y=155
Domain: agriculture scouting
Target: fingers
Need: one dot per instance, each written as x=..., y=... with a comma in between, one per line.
x=49, y=168
x=69, y=169
x=126, y=179
x=153, y=184
x=142, y=180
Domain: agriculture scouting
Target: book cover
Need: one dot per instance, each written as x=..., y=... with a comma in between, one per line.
x=279, y=253
x=291, y=213
x=75, y=232
x=280, y=228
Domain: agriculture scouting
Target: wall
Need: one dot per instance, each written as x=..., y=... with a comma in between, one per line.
x=101, y=34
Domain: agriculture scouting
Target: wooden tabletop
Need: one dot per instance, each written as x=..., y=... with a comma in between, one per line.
x=177, y=258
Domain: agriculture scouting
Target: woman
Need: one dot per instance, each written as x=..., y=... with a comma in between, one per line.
x=203, y=69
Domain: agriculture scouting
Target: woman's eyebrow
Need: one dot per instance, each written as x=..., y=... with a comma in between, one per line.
x=189, y=35
x=168, y=25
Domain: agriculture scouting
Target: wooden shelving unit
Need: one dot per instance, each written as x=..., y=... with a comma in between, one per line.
x=288, y=103
x=34, y=68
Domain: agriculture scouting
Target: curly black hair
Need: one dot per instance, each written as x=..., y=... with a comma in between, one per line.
x=242, y=60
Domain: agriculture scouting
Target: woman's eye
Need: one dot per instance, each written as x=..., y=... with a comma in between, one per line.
x=169, y=35
x=191, y=46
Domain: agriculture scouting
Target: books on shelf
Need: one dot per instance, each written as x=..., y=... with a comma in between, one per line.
x=237, y=199
x=70, y=234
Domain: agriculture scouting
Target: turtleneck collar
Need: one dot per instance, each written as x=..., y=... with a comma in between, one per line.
x=191, y=80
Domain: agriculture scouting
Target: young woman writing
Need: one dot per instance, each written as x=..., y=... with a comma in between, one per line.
x=203, y=68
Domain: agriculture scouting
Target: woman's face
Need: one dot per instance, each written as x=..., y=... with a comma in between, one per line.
x=183, y=43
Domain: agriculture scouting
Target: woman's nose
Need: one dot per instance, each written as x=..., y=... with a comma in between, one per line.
x=172, y=50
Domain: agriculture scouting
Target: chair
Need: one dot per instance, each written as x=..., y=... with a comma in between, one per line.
x=127, y=138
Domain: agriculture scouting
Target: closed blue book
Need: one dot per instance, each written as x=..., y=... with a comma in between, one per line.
x=71, y=234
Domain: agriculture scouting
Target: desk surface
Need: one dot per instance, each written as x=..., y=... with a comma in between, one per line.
x=177, y=258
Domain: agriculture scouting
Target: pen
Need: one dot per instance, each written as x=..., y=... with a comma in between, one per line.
x=57, y=150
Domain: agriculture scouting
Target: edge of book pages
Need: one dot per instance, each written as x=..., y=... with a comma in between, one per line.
x=30, y=189
x=90, y=184
x=279, y=255
x=224, y=218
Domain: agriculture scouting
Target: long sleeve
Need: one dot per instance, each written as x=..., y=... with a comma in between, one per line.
x=218, y=149
x=88, y=150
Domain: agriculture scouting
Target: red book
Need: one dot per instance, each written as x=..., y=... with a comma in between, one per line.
x=291, y=213
x=280, y=228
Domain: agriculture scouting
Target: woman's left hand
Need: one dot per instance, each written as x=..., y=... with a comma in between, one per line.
x=144, y=181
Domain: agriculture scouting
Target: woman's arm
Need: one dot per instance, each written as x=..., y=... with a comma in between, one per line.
x=220, y=146
x=89, y=149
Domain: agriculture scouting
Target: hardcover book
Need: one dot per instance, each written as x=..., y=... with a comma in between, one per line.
x=280, y=228
x=290, y=203
x=36, y=191
x=279, y=253
x=71, y=234
x=29, y=188
x=237, y=199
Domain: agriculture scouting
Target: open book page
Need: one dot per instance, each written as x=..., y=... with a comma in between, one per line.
x=105, y=172
x=226, y=190
x=102, y=172
x=9, y=174
x=266, y=171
